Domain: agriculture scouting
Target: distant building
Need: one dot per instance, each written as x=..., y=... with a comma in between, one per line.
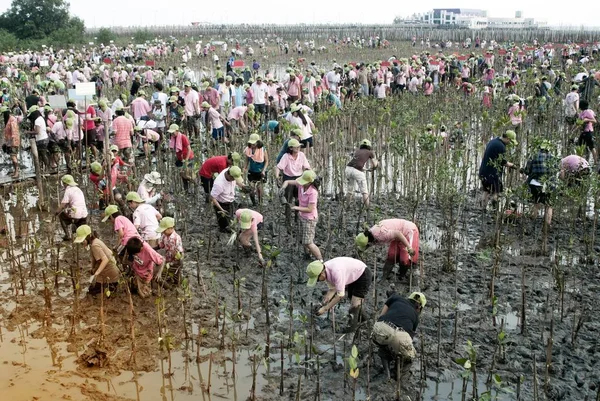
x=475, y=19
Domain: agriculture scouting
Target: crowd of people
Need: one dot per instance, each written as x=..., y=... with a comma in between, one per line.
x=139, y=111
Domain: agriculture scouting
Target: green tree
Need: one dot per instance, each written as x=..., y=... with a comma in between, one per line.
x=38, y=19
x=8, y=41
x=105, y=35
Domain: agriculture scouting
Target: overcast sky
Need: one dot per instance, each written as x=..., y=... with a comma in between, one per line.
x=180, y=12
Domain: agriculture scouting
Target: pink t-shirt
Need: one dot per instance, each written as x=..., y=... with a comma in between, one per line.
x=76, y=201
x=215, y=118
x=191, y=102
x=305, y=198
x=144, y=261
x=574, y=163
x=515, y=118
x=129, y=231
x=385, y=230
x=257, y=218
x=588, y=113
x=145, y=218
x=293, y=167
x=140, y=108
x=342, y=272
x=237, y=112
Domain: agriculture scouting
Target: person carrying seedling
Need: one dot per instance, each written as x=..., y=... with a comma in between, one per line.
x=492, y=166
x=343, y=275
x=73, y=210
x=250, y=222
x=170, y=241
x=403, y=237
x=222, y=195
x=395, y=328
x=105, y=273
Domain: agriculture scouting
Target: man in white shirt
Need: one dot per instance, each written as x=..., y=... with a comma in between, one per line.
x=222, y=195
x=572, y=105
x=145, y=218
x=260, y=92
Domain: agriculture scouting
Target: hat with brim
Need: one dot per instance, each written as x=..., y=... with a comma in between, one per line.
x=67, y=179
x=173, y=128
x=307, y=177
x=512, y=135
x=114, y=148
x=205, y=105
x=246, y=220
x=32, y=109
x=134, y=197
x=165, y=224
x=235, y=158
x=366, y=142
x=253, y=139
x=109, y=211
x=82, y=233
x=149, y=178
x=314, y=270
x=361, y=241
x=293, y=143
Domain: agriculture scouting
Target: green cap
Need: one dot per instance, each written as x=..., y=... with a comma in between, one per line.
x=512, y=135
x=32, y=109
x=313, y=270
x=294, y=108
x=174, y=89
x=293, y=143
x=82, y=233
x=307, y=177
x=114, y=148
x=96, y=167
x=205, y=105
x=253, y=139
x=187, y=83
x=67, y=179
x=418, y=297
x=3, y=109
x=361, y=241
x=137, y=128
x=134, y=197
x=574, y=87
x=109, y=211
x=173, y=99
x=165, y=223
x=246, y=220
x=366, y=142
x=173, y=128
x=235, y=172
x=235, y=158
x=141, y=93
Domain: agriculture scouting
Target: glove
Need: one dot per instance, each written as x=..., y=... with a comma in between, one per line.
x=92, y=279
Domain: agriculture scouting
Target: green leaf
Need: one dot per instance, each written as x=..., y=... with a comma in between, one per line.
x=501, y=336
x=461, y=361
x=467, y=365
x=497, y=380
x=354, y=352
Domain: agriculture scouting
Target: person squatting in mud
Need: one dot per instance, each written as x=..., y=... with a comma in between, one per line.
x=395, y=328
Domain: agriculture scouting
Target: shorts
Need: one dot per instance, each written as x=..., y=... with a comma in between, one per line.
x=260, y=108
x=397, y=252
x=394, y=339
x=207, y=184
x=42, y=145
x=309, y=229
x=538, y=195
x=306, y=142
x=53, y=147
x=218, y=133
x=90, y=137
x=360, y=288
x=586, y=138
x=254, y=177
x=492, y=184
x=12, y=150
x=355, y=176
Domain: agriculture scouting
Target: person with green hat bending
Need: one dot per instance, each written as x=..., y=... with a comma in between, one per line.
x=343, y=275
x=250, y=222
x=355, y=174
x=213, y=166
x=222, y=195
x=171, y=242
x=105, y=273
x=395, y=328
x=403, y=239
x=73, y=209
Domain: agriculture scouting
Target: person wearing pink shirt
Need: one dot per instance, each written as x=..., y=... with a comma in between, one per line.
x=343, y=276
x=192, y=108
x=140, y=106
x=308, y=196
x=238, y=114
x=573, y=169
x=515, y=113
x=586, y=137
x=73, y=209
x=250, y=222
x=146, y=263
x=403, y=237
x=122, y=226
x=123, y=130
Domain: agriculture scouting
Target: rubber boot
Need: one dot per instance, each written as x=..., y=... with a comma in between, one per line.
x=65, y=228
x=402, y=271
x=353, y=319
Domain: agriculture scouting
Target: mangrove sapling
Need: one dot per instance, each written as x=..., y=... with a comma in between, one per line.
x=549, y=343
x=354, y=371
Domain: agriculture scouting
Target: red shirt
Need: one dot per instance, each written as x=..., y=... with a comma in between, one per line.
x=89, y=122
x=215, y=164
x=185, y=145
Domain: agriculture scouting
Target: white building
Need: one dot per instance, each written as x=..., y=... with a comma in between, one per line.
x=476, y=19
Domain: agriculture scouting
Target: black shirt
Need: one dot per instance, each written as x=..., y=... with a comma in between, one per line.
x=31, y=100
x=493, y=159
x=135, y=86
x=402, y=313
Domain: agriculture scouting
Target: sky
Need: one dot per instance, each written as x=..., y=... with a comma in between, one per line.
x=106, y=13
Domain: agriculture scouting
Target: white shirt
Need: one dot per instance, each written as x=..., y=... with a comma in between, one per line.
x=223, y=191
x=259, y=92
x=39, y=122
x=144, y=217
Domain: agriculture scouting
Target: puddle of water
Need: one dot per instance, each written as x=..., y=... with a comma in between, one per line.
x=511, y=321
x=37, y=370
x=452, y=390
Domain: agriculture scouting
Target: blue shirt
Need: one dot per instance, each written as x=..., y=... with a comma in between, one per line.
x=493, y=159
x=270, y=125
x=283, y=150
